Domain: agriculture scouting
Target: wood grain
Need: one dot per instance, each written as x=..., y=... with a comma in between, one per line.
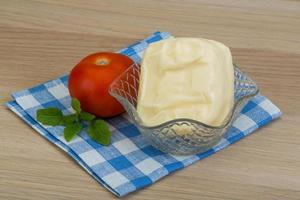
x=40, y=40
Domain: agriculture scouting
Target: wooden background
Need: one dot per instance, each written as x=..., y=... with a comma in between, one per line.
x=40, y=40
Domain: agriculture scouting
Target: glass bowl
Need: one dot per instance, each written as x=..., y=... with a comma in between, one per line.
x=168, y=136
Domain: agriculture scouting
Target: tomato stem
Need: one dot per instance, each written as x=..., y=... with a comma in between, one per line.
x=102, y=62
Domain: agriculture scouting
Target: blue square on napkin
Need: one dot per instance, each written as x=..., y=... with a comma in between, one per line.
x=129, y=163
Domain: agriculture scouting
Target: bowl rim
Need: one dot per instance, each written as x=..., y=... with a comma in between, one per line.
x=167, y=123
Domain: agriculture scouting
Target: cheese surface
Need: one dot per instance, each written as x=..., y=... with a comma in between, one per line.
x=186, y=78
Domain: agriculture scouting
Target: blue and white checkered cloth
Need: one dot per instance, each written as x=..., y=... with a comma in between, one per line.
x=129, y=163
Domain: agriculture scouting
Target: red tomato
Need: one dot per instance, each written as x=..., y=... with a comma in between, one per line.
x=90, y=79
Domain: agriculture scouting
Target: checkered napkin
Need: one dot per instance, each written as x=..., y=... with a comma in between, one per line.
x=129, y=163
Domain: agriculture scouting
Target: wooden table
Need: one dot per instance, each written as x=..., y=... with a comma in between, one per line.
x=40, y=40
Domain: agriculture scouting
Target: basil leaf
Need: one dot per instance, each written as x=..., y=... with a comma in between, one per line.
x=86, y=116
x=75, y=103
x=69, y=119
x=49, y=116
x=99, y=131
x=71, y=130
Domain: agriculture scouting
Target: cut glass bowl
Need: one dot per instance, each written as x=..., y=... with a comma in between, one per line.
x=166, y=136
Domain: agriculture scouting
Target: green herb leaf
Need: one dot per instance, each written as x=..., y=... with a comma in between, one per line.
x=49, y=116
x=75, y=103
x=69, y=119
x=71, y=130
x=99, y=131
x=86, y=116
